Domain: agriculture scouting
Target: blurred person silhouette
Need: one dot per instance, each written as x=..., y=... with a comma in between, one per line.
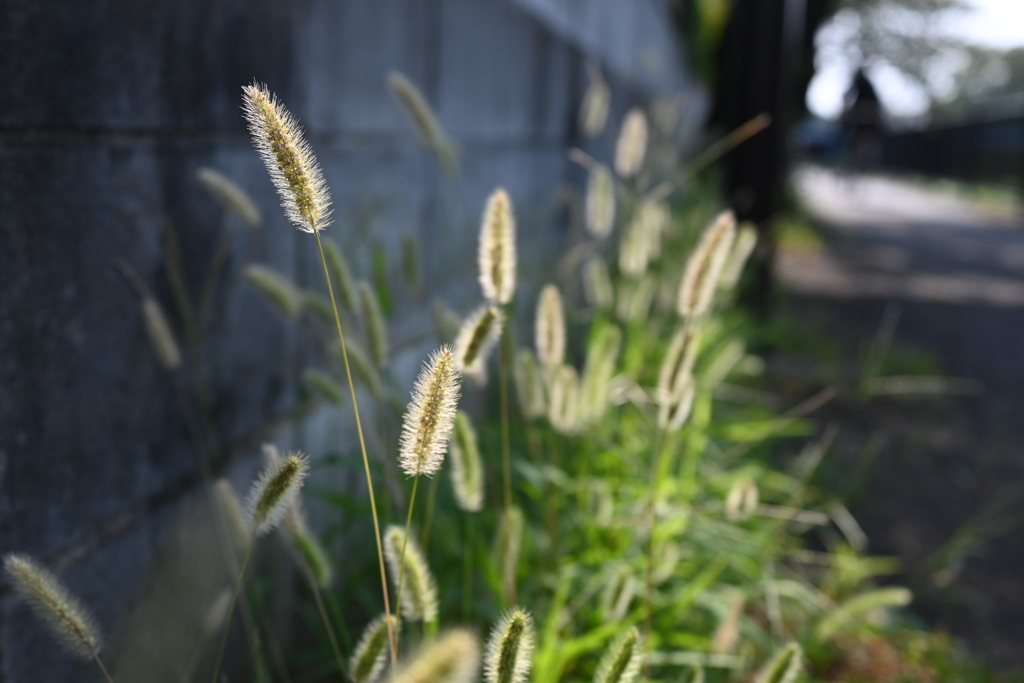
x=862, y=121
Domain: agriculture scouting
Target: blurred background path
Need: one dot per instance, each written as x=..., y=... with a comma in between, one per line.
x=944, y=469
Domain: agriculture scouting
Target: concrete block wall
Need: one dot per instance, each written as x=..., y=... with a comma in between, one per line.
x=106, y=112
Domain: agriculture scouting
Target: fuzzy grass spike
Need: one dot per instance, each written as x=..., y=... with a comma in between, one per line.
x=784, y=667
x=420, y=601
x=370, y=655
x=599, y=207
x=231, y=196
x=621, y=661
x=549, y=328
x=293, y=168
x=160, y=334
x=427, y=427
x=477, y=336
x=453, y=658
x=703, y=270
x=509, y=649
x=73, y=625
x=631, y=147
x=281, y=291
x=467, y=466
x=497, y=256
x=275, y=491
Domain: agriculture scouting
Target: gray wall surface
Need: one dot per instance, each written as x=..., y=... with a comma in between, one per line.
x=107, y=109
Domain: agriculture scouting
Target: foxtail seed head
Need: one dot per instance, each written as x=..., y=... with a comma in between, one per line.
x=160, y=334
x=453, y=658
x=427, y=427
x=497, y=255
x=312, y=556
x=703, y=270
x=564, y=399
x=549, y=328
x=597, y=284
x=529, y=385
x=742, y=500
x=677, y=365
x=376, y=330
x=508, y=651
x=53, y=603
x=784, y=666
x=594, y=108
x=746, y=241
x=419, y=597
x=641, y=242
x=477, y=336
x=415, y=105
x=293, y=167
x=598, y=372
x=631, y=146
x=281, y=291
x=231, y=196
x=728, y=632
x=370, y=655
x=467, y=467
x=674, y=412
x=275, y=491
x=621, y=661
x=599, y=208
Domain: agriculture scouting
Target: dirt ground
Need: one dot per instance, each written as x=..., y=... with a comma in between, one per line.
x=934, y=467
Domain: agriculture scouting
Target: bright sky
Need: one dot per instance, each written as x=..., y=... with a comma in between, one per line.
x=991, y=23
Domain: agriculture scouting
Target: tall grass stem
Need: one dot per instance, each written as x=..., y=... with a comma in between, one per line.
x=362, y=447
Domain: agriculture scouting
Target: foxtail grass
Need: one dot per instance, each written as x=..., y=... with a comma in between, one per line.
x=564, y=400
x=270, y=497
x=477, y=336
x=509, y=649
x=599, y=208
x=52, y=602
x=549, y=328
x=621, y=661
x=596, y=100
x=453, y=658
x=293, y=167
x=467, y=466
x=281, y=291
x=370, y=655
x=529, y=385
x=631, y=147
x=743, y=247
x=741, y=502
x=497, y=254
x=704, y=268
x=597, y=284
x=231, y=196
x=304, y=195
x=406, y=560
x=785, y=666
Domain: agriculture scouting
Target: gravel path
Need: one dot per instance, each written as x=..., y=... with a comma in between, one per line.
x=945, y=491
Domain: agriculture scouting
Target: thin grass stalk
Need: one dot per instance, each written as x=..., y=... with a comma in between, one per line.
x=467, y=568
x=327, y=622
x=405, y=543
x=362, y=447
x=506, y=449
x=231, y=609
x=656, y=477
x=429, y=517
x=99, y=662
